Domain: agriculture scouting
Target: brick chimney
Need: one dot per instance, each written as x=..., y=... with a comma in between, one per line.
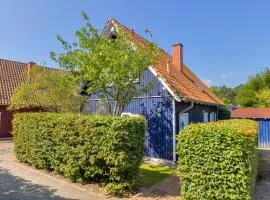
x=177, y=55
x=30, y=65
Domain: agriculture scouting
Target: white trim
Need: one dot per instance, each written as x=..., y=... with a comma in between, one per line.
x=164, y=84
x=213, y=117
x=185, y=114
x=204, y=117
x=158, y=161
x=174, y=129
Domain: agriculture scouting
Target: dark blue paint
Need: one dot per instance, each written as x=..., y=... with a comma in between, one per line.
x=264, y=134
x=158, y=114
x=156, y=106
x=195, y=114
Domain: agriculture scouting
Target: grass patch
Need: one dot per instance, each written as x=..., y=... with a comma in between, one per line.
x=151, y=174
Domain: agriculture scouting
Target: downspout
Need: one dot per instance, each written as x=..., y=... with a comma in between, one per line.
x=174, y=125
x=174, y=129
x=188, y=108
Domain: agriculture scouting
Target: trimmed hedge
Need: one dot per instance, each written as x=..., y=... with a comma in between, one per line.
x=218, y=160
x=102, y=149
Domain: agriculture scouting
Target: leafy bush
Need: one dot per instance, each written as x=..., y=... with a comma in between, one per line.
x=218, y=160
x=102, y=149
x=223, y=113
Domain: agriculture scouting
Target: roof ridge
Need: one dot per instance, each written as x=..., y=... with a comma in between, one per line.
x=134, y=32
x=19, y=62
x=183, y=86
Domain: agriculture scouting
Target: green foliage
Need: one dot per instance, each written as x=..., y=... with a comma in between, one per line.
x=227, y=94
x=48, y=89
x=263, y=98
x=223, y=113
x=111, y=66
x=151, y=174
x=255, y=92
x=218, y=160
x=103, y=149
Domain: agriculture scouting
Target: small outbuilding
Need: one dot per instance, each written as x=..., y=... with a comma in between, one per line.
x=262, y=115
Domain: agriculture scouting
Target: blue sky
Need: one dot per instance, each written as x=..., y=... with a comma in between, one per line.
x=224, y=41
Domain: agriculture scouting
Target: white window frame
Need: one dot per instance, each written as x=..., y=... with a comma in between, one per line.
x=185, y=115
x=205, y=117
x=213, y=117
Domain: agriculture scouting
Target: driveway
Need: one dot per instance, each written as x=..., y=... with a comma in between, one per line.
x=18, y=181
x=263, y=182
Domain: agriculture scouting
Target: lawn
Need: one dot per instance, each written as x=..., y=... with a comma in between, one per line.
x=151, y=174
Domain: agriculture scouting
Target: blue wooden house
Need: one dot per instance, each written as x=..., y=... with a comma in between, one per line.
x=178, y=97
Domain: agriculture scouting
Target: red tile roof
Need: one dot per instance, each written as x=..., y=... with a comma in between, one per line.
x=185, y=84
x=12, y=74
x=251, y=113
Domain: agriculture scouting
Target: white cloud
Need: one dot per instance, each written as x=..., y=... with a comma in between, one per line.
x=208, y=82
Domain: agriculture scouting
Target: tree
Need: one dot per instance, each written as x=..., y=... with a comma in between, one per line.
x=263, y=98
x=111, y=67
x=255, y=92
x=48, y=89
x=227, y=94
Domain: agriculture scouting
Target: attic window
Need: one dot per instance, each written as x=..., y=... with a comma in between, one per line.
x=113, y=33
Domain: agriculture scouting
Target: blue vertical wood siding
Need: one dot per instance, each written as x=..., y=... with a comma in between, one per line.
x=195, y=114
x=156, y=106
x=158, y=114
x=264, y=134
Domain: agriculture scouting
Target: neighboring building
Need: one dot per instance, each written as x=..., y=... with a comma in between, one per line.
x=262, y=115
x=232, y=107
x=12, y=74
x=177, y=99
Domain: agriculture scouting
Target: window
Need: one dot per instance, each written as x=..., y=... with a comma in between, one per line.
x=183, y=120
x=205, y=116
x=213, y=117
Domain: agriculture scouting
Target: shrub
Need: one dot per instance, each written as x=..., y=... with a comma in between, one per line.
x=102, y=149
x=223, y=113
x=218, y=160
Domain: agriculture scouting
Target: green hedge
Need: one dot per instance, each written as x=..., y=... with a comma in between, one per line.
x=223, y=113
x=102, y=149
x=218, y=160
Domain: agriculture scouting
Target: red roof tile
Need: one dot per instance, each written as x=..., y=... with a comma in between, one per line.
x=12, y=74
x=186, y=84
x=251, y=113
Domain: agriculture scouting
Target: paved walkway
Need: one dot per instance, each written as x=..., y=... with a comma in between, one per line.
x=167, y=189
x=263, y=182
x=18, y=181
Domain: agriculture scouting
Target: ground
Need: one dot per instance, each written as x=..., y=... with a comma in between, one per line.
x=263, y=182
x=18, y=181
x=151, y=174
